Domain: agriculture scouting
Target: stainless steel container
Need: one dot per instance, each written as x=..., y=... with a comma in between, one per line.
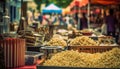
x=4, y=26
x=49, y=51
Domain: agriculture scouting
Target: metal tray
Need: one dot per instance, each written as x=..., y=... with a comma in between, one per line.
x=59, y=67
x=32, y=57
x=34, y=48
x=31, y=53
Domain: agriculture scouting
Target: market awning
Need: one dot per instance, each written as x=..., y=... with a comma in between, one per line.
x=66, y=10
x=52, y=9
x=105, y=2
x=79, y=3
x=76, y=4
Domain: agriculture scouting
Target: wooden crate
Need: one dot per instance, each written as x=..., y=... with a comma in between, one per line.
x=92, y=49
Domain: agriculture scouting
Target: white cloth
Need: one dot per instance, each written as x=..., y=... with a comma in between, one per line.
x=104, y=29
x=67, y=19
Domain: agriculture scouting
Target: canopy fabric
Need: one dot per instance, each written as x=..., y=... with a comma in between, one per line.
x=52, y=9
x=66, y=10
x=105, y=2
x=79, y=3
x=76, y=4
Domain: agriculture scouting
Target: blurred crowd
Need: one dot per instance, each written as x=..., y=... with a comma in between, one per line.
x=108, y=21
x=105, y=20
x=51, y=19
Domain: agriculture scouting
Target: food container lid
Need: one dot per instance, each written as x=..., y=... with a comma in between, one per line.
x=51, y=47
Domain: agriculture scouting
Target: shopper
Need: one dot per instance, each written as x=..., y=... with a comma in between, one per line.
x=67, y=19
x=83, y=22
x=111, y=23
x=53, y=18
x=40, y=18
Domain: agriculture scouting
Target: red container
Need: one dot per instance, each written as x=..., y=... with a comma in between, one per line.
x=87, y=33
x=14, y=52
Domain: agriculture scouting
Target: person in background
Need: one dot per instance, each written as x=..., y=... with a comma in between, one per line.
x=99, y=19
x=29, y=18
x=117, y=14
x=67, y=19
x=83, y=22
x=40, y=18
x=53, y=18
x=60, y=18
x=92, y=18
x=111, y=23
x=72, y=21
x=45, y=20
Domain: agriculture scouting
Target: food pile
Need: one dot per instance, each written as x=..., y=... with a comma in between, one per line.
x=106, y=40
x=86, y=31
x=57, y=42
x=109, y=59
x=62, y=32
x=44, y=30
x=31, y=38
x=84, y=41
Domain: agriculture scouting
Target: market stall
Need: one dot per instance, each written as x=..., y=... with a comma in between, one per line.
x=52, y=9
x=75, y=60
x=59, y=47
x=105, y=2
x=88, y=43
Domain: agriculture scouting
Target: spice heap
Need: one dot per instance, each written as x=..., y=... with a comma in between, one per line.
x=84, y=41
x=109, y=59
x=57, y=42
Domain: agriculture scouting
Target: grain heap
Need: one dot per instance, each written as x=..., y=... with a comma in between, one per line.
x=57, y=42
x=84, y=41
x=109, y=59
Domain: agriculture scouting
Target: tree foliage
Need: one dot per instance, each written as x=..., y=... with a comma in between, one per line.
x=38, y=2
x=59, y=3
